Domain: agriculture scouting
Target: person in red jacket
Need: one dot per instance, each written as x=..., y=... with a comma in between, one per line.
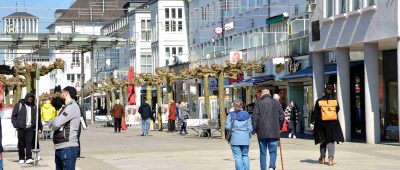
x=172, y=117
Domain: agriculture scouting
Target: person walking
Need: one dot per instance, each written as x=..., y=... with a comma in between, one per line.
x=292, y=117
x=146, y=114
x=117, y=112
x=326, y=126
x=183, y=117
x=240, y=125
x=172, y=117
x=47, y=112
x=65, y=127
x=268, y=118
x=24, y=120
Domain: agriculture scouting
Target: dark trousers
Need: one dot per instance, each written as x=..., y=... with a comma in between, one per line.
x=331, y=149
x=117, y=125
x=171, y=125
x=183, y=127
x=65, y=158
x=25, y=137
x=292, y=128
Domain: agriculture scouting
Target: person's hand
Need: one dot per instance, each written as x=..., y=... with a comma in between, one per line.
x=40, y=132
x=1, y=155
x=312, y=126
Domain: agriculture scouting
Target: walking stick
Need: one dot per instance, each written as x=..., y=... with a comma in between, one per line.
x=280, y=151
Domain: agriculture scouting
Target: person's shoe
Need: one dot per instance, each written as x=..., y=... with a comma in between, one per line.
x=290, y=135
x=39, y=158
x=29, y=161
x=142, y=134
x=330, y=161
x=322, y=160
x=294, y=136
x=271, y=169
x=21, y=161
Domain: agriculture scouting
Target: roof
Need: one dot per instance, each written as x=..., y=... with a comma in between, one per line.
x=79, y=11
x=21, y=15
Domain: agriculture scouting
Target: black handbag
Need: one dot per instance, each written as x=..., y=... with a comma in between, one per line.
x=229, y=132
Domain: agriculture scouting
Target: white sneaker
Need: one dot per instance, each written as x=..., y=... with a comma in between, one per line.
x=290, y=135
x=21, y=162
x=294, y=136
x=29, y=161
x=39, y=158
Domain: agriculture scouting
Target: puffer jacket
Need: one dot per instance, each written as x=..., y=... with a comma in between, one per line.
x=239, y=122
x=48, y=112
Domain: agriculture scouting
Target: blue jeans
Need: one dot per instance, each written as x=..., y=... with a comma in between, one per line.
x=66, y=158
x=1, y=164
x=241, y=156
x=272, y=145
x=146, y=126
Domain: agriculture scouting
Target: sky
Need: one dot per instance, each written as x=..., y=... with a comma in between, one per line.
x=44, y=9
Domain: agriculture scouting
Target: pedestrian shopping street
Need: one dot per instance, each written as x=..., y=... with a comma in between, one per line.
x=104, y=150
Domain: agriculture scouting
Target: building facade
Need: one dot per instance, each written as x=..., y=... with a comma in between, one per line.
x=368, y=97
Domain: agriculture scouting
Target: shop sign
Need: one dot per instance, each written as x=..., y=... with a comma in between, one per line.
x=229, y=26
x=235, y=56
x=213, y=83
x=218, y=30
x=279, y=67
x=293, y=66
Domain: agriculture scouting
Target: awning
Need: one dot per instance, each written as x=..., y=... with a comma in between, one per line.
x=308, y=72
x=275, y=19
x=252, y=81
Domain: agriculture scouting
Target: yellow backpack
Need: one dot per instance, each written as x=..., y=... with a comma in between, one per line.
x=328, y=109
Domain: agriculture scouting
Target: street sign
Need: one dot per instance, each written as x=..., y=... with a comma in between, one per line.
x=235, y=56
x=218, y=30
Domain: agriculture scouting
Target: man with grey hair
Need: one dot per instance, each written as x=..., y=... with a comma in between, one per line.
x=117, y=113
x=268, y=119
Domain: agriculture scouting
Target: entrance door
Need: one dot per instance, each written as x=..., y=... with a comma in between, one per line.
x=357, y=107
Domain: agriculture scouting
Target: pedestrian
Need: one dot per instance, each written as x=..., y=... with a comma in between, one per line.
x=183, y=117
x=172, y=117
x=146, y=114
x=292, y=117
x=117, y=112
x=178, y=122
x=47, y=112
x=65, y=127
x=240, y=125
x=268, y=119
x=326, y=126
x=1, y=147
x=24, y=120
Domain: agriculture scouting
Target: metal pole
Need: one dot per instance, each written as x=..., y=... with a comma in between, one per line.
x=36, y=151
x=82, y=82
x=92, y=80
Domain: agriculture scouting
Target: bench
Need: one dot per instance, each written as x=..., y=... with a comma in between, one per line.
x=201, y=126
x=106, y=120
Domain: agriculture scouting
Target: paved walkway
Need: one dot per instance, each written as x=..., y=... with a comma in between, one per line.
x=104, y=150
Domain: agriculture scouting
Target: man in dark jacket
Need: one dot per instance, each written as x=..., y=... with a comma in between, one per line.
x=117, y=113
x=145, y=112
x=24, y=120
x=268, y=119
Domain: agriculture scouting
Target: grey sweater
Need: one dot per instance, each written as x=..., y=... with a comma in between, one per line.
x=66, y=126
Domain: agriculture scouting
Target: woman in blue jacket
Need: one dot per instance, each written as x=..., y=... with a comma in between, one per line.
x=239, y=122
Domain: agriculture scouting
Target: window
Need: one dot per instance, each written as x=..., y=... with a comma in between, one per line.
x=75, y=59
x=146, y=63
x=167, y=26
x=173, y=13
x=180, y=13
x=71, y=78
x=180, y=26
x=329, y=7
x=145, y=30
x=356, y=4
x=166, y=12
x=342, y=6
x=167, y=54
x=173, y=50
x=180, y=51
x=371, y=2
x=173, y=26
x=78, y=77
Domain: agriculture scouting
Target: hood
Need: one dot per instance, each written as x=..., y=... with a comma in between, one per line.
x=25, y=100
x=29, y=95
x=241, y=115
x=47, y=106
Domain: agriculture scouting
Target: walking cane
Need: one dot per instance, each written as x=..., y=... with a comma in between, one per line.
x=280, y=151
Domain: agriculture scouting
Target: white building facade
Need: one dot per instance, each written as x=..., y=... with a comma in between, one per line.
x=371, y=28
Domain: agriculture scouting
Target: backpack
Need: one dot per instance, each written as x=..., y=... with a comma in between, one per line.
x=328, y=109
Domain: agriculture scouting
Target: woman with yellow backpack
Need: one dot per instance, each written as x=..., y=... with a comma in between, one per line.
x=326, y=126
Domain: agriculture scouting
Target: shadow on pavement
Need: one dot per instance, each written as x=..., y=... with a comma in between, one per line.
x=310, y=161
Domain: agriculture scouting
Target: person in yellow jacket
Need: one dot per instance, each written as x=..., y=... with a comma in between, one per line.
x=48, y=112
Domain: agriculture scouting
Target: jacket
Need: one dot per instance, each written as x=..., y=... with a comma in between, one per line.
x=145, y=111
x=48, y=112
x=241, y=128
x=66, y=126
x=118, y=111
x=326, y=131
x=1, y=139
x=291, y=114
x=268, y=118
x=18, y=118
x=172, y=111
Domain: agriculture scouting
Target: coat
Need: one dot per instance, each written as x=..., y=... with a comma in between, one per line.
x=18, y=118
x=118, y=111
x=239, y=122
x=325, y=131
x=48, y=112
x=145, y=111
x=172, y=111
x=1, y=137
x=268, y=118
